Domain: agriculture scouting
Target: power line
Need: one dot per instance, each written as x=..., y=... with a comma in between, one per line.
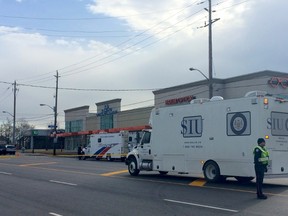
x=122, y=43
x=68, y=73
x=69, y=31
x=43, y=79
x=3, y=97
x=83, y=18
x=79, y=89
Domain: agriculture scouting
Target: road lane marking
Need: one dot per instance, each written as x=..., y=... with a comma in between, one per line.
x=200, y=205
x=7, y=156
x=114, y=173
x=37, y=164
x=139, y=179
x=52, y=213
x=5, y=173
x=198, y=182
x=60, y=182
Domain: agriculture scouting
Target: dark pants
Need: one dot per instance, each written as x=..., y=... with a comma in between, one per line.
x=80, y=155
x=259, y=171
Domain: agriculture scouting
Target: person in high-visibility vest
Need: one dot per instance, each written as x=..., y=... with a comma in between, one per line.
x=261, y=158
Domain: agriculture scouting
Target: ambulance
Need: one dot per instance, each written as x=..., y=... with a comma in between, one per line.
x=214, y=138
x=108, y=146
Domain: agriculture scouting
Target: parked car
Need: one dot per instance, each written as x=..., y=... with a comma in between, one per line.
x=10, y=149
x=2, y=150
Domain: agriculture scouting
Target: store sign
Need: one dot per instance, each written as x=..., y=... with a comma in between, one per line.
x=106, y=111
x=278, y=81
x=180, y=100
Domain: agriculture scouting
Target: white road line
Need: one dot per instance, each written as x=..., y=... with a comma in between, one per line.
x=65, y=183
x=5, y=173
x=199, y=205
x=52, y=213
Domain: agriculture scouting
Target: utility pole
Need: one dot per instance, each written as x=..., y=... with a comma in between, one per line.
x=55, y=116
x=14, y=114
x=210, y=51
x=210, y=58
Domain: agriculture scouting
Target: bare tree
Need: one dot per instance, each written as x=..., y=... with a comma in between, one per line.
x=6, y=129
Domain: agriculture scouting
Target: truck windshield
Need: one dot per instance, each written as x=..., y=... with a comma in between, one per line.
x=146, y=137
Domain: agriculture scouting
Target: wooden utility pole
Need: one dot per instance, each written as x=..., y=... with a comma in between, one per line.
x=14, y=114
x=210, y=55
x=210, y=51
x=55, y=115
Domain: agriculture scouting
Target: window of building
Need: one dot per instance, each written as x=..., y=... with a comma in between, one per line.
x=106, y=122
x=74, y=126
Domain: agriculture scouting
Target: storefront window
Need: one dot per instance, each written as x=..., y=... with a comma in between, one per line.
x=106, y=122
x=74, y=126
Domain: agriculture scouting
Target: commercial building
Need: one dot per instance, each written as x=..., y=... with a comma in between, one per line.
x=38, y=139
x=270, y=81
x=109, y=114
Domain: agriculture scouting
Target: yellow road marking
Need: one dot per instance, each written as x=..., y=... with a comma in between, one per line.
x=198, y=182
x=146, y=180
x=37, y=164
x=114, y=173
x=7, y=156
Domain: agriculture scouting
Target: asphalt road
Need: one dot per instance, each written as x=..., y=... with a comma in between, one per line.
x=47, y=185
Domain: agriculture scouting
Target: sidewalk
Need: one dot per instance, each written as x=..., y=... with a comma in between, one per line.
x=39, y=152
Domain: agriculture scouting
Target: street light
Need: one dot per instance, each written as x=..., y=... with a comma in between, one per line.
x=14, y=126
x=48, y=106
x=55, y=126
x=192, y=69
x=209, y=81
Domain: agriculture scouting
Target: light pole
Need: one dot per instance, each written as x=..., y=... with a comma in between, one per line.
x=208, y=79
x=54, y=127
x=14, y=126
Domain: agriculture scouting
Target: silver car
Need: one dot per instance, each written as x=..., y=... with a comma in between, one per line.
x=10, y=149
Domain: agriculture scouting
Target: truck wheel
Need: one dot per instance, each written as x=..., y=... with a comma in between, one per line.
x=132, y=167
x=212, y=172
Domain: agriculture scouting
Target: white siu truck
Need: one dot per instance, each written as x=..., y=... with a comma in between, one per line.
x=109, y=146
x=215, y=137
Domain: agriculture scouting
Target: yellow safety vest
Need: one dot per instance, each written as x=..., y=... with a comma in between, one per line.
x=264, y=155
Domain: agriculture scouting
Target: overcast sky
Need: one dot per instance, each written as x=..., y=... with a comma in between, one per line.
x=107, y=49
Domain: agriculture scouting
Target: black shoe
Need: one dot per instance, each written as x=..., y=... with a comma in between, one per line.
x=262, y=196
